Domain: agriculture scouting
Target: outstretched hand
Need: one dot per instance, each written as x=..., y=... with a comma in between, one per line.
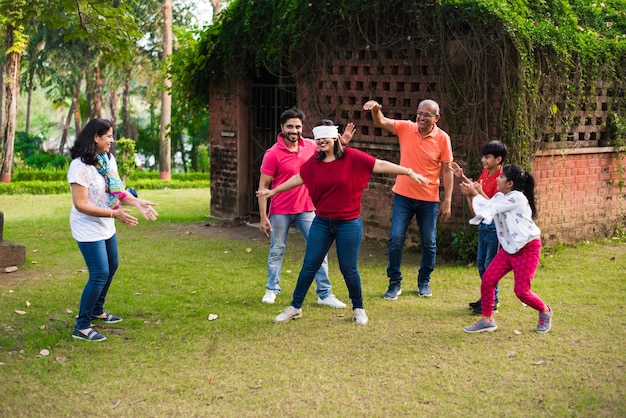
x=348, y=133
x=419, y=178
x=145, y=207
x=456, y=169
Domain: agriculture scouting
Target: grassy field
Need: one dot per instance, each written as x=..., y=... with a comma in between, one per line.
x=412, y=359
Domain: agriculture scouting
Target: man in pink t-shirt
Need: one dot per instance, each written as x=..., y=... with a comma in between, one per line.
x=280, y=162
x=427, y=150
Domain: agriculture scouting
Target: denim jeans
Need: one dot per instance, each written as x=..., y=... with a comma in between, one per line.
x=402, y=213
x=102, y=261
x=348, y=236
x=487, y=248
x=278, y=239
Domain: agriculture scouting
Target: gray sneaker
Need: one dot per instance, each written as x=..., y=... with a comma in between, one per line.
x=393, y=292
x=288, y=314
x=424, y=291
x=482, y=326
x=545, y=322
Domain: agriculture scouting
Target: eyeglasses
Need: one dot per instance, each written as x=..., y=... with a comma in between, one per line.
x=425, y=115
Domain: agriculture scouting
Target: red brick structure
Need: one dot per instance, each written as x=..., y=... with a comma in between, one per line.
x=578, y=189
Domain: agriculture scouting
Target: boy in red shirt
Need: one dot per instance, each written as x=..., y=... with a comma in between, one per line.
x=493, y=155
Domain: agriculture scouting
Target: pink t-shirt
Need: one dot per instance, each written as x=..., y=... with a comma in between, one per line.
x=424, y=154
x=337, y=187
x=281, y=164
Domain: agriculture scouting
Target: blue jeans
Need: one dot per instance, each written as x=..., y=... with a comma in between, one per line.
x=278, y=239
x=425, y=213
x=487, y=247
x=348, y=236
x=102, y=261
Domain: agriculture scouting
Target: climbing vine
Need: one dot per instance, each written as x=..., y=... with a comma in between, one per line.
x=543, y=59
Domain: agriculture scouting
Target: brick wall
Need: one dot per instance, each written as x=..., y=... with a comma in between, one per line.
x=577, y=189
x=229, y=149
x=578, y=194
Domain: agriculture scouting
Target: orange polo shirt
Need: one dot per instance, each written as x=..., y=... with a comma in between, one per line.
x=424, y=155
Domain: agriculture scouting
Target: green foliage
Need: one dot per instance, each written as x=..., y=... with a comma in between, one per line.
x=465, y=243
x=35, y=187
x=39, y=187
x=47, y=159
x=26, y=144
x=543, y=52
x=203, y=159
x=125, y=158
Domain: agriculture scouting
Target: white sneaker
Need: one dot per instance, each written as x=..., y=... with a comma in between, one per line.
x=269, y=297
x=288, y=314
x=359, y=316
x=331, y=301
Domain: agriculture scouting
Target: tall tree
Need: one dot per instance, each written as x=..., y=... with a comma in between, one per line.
x=15, y=44
x=107, y=25
x=165, y=151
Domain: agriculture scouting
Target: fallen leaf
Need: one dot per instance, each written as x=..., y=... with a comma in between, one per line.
x=34, y=262
x=212, y=317
x=27, y=304
x=248, y=250
x=44, y=353
x=510, y=353
x=68, y=311
x=11, y=291
x=10, y=269
x=20, y=312
x=157, y=322
x=516, y=332
x=2, y=364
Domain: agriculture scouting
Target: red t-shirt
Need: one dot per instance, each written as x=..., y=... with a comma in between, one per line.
x=490, y=183
x=336, y=187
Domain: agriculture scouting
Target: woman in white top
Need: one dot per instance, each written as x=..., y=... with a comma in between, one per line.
x=97, y=193
x=513, y=210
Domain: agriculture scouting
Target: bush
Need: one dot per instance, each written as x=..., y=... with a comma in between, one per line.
x=465, y=243
x=61, y=186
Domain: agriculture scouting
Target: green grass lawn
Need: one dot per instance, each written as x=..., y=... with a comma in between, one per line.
x=412, y=359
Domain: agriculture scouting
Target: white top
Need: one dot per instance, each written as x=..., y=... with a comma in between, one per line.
x=86, y=228
x=512, y=216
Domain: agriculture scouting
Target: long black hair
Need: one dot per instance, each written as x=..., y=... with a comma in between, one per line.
x=337, y=147
x=524, y=182
x=85, y=146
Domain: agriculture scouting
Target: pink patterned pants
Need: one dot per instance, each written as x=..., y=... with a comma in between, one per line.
x=524, y=264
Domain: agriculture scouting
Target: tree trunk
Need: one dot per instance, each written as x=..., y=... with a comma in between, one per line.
x=97, y=92
x=89, y=89
x=76, y=108
x=31, y=76
x=217, y=8
x=125, y=104
x=1, y=108
x=113, y=108
x=165, y=149
x=66, y=128
x=12, y=66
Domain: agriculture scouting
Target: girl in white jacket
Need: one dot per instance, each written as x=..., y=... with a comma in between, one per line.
x=513, y=210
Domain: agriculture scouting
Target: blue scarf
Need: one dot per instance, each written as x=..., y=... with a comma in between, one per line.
x=114, y=185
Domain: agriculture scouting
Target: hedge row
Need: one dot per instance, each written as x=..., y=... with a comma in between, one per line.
x=60, y=186
x=61, y=175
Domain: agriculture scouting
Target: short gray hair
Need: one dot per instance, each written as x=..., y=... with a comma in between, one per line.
x=431, y=103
